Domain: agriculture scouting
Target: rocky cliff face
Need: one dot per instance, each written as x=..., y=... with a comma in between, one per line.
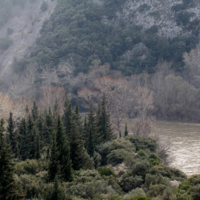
x=26, y=23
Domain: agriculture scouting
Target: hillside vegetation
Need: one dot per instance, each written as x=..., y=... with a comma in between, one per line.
x=62, y=157
x=81, y=31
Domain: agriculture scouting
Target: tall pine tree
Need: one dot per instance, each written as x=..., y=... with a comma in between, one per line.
x=8, y=190
x=13, y=139
x=104, y=125
x=63, y=152
x=54, y=167
x=35, y=111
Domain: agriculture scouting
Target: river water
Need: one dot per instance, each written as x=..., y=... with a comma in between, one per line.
x=183, y=140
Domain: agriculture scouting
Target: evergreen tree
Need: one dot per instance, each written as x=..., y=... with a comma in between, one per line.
x=49, y=121
x=12, y=134
x=37, y=146
x=91, y=144
x=46, y=136
x=25, y=146
x=104, y=122
x=58, y=193
x=40, y=127
x=8, y=189
x=34, y=111
x=93, y=136
x=126, y=130
x=33, y=143
x=77, y=109
x=68, y=118
x=64, y=153
x=56, y=110
x=79, y=155
x=54, y=163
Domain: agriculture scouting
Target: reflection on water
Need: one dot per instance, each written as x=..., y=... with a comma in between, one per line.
x=184, y=152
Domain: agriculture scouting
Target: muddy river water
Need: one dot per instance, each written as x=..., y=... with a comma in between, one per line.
x=184, y=151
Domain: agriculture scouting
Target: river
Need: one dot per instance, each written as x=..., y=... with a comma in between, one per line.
x=184, y=151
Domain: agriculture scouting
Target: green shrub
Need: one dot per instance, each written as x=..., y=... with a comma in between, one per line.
x=153, y=160
x=117, y=156
x=5, y=43
x=139, y=198
x=129, y=182
x=106, y=171
x=44, y=6
x=171, y=173
x=133, y=193
x=155, y=180
x=186, y=185
x=32, y=185
x=140, y=168
x=195, y=192
x=121, y=143
x=142, y=142
x=183, y=197
x=31, y=166
x=156, y=190
x=194, y=179
x=141, y=153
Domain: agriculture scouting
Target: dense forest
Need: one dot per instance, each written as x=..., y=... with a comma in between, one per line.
x=76, y=31
x=72, y=157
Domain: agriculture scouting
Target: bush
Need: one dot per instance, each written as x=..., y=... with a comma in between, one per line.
x=5, y=43
x=194, y=180
x=155, y=180
x=142, y=142
x=106, y=171
x=117, y=156
x=31, y=166
x=121, y=143
x=44, y=6
x=141, y=168
x=133, y=193
x=186, y=185
x=195, y=192
x=156, y=190
x=31, y=185
x=171, y=173
x=140, y=198
x=141, y=153
x=129, y=182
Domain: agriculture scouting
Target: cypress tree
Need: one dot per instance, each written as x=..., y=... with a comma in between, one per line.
x=49, y=122
x=91, y=144
x=78, y=154
x=33, y=143
x=8, y=189
x=24, y=140
x=58, y=193
x=104, y=122
x=126, y=130
x=64, y=153
x=68, y=118
x=56, y=110
x=12, y=134
x=77, y=108
x=53, y=170
x=37, y=146
x=93, y=137
x=40, y=127
x=46, y=136
x=34, y=111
